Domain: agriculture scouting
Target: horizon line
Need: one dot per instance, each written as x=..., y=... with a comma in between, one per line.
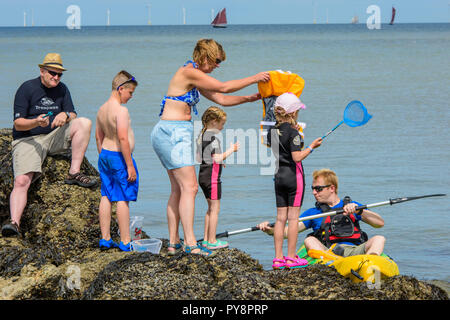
x=230, y=24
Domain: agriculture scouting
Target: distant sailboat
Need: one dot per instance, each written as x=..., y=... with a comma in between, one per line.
x=220, y=21
x=393, y=16
x=355, y=20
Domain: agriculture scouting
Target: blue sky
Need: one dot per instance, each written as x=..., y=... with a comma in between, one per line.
x=170, y=12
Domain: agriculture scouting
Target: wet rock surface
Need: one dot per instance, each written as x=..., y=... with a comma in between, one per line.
x=56, y=257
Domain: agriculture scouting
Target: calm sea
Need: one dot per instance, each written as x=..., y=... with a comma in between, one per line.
x=401, y=73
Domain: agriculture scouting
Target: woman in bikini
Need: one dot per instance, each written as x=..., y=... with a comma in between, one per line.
x=172, y=136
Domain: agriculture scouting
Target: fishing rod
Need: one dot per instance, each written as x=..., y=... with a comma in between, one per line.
x=331, y=213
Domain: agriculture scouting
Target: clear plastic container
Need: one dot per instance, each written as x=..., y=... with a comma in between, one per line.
x=136, y=223
x=149, y=245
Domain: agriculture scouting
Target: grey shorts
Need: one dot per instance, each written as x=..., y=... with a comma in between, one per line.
x=29, y=153
x=350, y=250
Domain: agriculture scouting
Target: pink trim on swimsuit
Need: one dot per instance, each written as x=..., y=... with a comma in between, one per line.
x=299, y=193
x=214, y=179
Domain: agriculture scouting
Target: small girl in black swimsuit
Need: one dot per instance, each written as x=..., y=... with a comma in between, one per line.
x=210, y=154
x=287, y=145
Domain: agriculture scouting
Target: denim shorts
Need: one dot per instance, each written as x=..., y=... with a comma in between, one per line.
x=172, y=142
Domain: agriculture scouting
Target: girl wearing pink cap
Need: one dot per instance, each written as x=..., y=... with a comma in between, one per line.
x=287, y=145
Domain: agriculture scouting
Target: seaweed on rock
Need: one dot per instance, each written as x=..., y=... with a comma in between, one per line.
x=57, y=257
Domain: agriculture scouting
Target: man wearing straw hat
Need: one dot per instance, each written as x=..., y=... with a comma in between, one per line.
x=45, y=122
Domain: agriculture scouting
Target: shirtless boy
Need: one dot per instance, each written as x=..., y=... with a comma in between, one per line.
x=118, y=170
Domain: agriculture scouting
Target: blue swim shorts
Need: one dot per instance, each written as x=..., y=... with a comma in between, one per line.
x=172, y=142
x=114, y=174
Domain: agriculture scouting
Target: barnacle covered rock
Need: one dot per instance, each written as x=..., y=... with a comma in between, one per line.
x=57, y=257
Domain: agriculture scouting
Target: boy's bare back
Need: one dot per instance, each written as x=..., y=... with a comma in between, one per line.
x=110, y=114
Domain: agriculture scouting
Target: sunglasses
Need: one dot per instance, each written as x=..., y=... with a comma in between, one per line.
x=129, y=80
x=54, y=74
x=218, y=61
x=319, y=188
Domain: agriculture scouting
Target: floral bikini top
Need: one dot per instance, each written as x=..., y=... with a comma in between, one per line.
x=191, y=97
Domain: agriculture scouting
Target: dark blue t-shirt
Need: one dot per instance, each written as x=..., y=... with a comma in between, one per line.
x=33, y=99
x=316, y=223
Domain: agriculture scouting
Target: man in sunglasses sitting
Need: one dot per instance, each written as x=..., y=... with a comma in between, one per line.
x=45, y=122
x=342, y=229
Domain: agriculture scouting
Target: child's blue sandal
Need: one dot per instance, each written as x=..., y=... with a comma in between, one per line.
x=107, y=244
x=203, y=251
x=219, y=244
x=125, y=247
x=176, y=248
x=205, y=243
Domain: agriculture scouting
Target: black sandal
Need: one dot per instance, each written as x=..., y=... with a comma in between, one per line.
x=10, y=229
x=80, y=179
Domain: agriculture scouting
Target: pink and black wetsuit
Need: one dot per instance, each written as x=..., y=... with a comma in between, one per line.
x=210, y=171
x=289, y=175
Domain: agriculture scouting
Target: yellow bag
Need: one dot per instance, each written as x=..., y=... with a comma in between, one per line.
x=359, y=268
x=367, y=268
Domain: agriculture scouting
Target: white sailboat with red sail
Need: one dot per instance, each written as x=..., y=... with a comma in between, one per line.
x=220, y=21
x=393, y=16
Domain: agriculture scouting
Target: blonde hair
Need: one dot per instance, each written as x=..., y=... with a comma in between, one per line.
x=208, y=49
x=329, y=176
x=281, y=116
x=123, y=79
x=210, y=114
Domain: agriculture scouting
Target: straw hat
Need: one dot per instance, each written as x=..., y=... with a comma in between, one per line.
x=52, y=60
x=289, y=102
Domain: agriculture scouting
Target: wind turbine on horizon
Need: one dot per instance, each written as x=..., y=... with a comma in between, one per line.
x=149, y=22
x=314, y=12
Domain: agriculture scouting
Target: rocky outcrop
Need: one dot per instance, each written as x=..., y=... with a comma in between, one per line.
x=57, y=257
